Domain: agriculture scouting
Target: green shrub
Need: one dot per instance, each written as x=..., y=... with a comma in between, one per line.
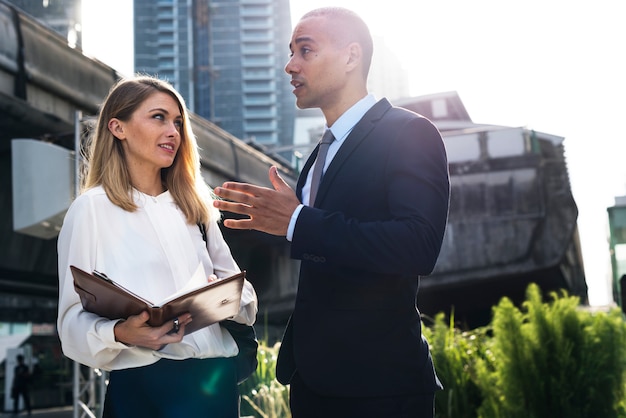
x=454, y=353
x=544, y=360
x=261, y=395
x=553, y=360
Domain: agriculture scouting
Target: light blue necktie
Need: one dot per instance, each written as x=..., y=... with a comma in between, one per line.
x=318, y=168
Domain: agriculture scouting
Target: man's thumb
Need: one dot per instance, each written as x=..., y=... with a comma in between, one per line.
x=277, y=181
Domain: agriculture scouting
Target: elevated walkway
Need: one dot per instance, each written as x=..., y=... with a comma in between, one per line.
x=44, y=84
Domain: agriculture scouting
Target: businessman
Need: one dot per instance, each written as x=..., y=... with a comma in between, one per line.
x=364, y=233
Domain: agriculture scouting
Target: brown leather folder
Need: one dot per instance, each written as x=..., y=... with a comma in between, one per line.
x=216, y=301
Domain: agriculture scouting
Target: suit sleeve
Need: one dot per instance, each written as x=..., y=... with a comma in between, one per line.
x=400, y=223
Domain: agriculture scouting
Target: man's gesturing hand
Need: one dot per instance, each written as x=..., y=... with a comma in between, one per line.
x=268, y=210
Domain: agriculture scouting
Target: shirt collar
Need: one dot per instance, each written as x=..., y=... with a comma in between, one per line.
x=343, y=126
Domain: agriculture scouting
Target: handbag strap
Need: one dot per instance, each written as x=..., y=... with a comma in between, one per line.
x=202, y=231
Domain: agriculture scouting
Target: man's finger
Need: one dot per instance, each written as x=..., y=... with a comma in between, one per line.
x=238, y=223
x=277, y=181
x=242, y=188
x=230, y=194
x=240, y=208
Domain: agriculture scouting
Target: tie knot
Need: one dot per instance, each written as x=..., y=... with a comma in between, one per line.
x=328, y=137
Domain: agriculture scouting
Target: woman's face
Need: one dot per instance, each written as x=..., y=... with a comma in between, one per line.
x=152, y=135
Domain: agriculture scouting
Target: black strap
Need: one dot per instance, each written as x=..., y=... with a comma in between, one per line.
x=244, y=336
x=202, y=230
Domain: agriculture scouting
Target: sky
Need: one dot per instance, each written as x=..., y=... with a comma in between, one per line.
x=555, y=66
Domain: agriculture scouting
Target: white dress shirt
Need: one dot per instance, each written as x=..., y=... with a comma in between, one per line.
x=153, y=252
x=340, y=129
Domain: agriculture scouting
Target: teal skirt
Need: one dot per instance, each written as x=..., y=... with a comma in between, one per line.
x=174, y=388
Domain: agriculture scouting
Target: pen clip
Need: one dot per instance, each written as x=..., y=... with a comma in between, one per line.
x=102, y=276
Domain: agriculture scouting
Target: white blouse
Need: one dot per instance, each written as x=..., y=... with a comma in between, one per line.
x=152, y=252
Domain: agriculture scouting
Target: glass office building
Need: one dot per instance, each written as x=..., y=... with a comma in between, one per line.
x=62, y=16
x=226, y=57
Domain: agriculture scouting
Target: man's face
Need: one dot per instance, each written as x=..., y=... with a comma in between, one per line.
x=317, y=65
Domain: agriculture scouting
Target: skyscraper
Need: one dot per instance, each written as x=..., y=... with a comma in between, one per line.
x=63, y=16
x=226, y=57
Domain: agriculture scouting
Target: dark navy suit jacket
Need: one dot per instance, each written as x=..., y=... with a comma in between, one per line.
x=376, y=226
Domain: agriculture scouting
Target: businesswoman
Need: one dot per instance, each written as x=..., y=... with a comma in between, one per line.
x=137, y=220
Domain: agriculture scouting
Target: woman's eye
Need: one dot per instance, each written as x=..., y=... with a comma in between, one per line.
x=178, y=123
x=158, y=116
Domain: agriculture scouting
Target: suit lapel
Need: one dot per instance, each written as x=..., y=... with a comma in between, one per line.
x=356, y=136
x=360, y=131
x=305, y=171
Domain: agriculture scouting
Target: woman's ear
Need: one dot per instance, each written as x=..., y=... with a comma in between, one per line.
x=116, y=128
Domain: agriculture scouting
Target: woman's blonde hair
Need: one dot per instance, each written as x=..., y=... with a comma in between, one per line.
x=106, y=162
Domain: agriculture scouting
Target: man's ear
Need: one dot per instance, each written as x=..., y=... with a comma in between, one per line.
x=117, y=128
x=355, y=56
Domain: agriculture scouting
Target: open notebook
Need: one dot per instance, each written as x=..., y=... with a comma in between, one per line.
x=210, y=303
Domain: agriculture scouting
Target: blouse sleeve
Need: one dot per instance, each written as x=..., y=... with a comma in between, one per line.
x=85, y=337
x=224, y=265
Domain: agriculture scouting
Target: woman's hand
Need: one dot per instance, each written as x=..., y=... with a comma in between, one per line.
x=136, y=331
